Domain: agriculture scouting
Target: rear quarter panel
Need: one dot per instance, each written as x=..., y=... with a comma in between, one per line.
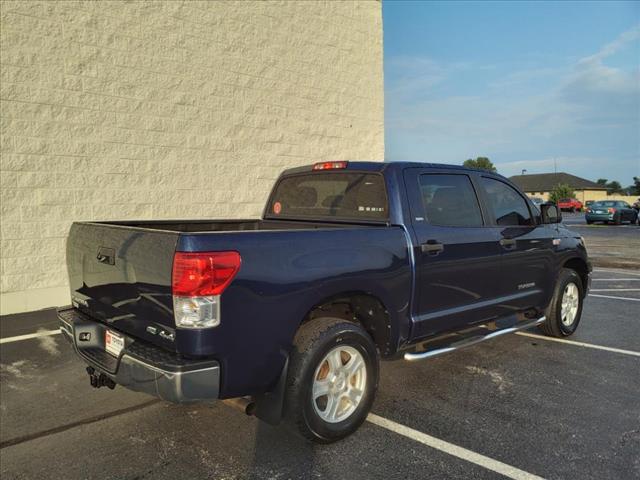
x=283, y=275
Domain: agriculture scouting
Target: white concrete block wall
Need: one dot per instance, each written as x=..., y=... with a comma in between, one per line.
x=169, y=109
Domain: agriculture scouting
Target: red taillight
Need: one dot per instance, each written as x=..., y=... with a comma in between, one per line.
x=611, y=210
x=330, y=165
x=203, y=273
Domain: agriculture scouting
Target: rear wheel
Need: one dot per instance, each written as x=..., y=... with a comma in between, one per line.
x=332, y=379
x=617, y=219
x=564, y=311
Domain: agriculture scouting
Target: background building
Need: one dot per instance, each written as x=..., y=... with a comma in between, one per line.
x=540, y=185
x=167, y=109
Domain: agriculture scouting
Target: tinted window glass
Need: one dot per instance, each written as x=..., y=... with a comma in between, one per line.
x=331, y=195
x=508, y=206
x=450, y=200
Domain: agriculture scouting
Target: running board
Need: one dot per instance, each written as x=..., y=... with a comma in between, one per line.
x=469, y=341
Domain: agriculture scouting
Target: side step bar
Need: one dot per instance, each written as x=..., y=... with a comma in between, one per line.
x=469, y=341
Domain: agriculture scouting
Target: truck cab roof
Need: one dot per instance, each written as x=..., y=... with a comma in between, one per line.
x=372, y=166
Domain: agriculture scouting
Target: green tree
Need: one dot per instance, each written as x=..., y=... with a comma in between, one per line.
x=483, y=163
x=635, y=188
x=560, y=191
x=611, y=186
x=614, y=187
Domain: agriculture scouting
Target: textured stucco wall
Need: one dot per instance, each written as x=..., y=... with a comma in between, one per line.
x=123, y=110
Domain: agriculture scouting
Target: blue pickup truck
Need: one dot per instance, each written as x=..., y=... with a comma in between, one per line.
x=290, y=314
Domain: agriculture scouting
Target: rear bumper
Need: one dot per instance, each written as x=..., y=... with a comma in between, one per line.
x=599, y=217
x=141, y=367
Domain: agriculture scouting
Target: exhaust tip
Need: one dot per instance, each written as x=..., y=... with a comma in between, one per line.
x=244, y=404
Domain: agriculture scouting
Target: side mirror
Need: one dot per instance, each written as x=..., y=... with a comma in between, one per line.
x=550, y=213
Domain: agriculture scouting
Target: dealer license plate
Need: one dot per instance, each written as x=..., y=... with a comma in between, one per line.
x=113, y=343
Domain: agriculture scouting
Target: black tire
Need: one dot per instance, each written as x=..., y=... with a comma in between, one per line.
x=589, y=222
x=311, y=344
x=617, y=220
x=553, y=325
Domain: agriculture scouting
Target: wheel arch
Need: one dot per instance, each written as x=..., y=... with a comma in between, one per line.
x=361, y=307
x=580, y=266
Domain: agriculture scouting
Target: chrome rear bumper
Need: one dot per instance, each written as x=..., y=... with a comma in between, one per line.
x=141, y=367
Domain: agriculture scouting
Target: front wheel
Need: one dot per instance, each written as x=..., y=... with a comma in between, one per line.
x=332, y=379
x=564, y=311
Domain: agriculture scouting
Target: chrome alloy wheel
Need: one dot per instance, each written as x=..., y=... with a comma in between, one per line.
x=339, y=384
x=570, y=304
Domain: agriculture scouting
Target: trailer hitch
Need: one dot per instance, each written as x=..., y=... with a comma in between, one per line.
x=98, y=380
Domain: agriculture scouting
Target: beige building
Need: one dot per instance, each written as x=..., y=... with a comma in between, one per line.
x=167, y=109
x=540, y=185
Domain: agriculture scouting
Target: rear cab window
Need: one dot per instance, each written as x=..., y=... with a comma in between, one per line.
x=331, y=196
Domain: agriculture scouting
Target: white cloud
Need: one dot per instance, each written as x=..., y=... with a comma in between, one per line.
x=609, y=49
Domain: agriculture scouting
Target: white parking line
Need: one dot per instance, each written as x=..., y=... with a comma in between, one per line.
x=615, y=290
x=615, y=279
x=615, y=297
x=623, y=272
x=580, y=344
x=451, y=449
x=19, y=338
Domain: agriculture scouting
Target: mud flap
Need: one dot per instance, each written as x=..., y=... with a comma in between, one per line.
x=269, y=406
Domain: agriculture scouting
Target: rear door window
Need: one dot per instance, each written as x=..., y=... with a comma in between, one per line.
x=450, y=200
x=330, y=196
x=508, y=206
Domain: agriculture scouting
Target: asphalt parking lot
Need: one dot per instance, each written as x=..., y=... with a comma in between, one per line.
x=522, y=406
x=614, y=246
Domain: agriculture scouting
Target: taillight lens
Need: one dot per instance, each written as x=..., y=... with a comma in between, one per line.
x=197, y=282
x=200, y=274
x=611, y=210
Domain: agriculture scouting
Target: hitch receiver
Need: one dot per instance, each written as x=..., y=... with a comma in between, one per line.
x=98, y=380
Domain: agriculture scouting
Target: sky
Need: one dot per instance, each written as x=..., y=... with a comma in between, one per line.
x=527, y=84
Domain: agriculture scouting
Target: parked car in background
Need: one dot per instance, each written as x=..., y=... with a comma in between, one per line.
x=611, y=211
x=570, y=204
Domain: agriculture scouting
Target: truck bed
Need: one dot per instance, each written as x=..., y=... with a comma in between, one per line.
x=121, y=275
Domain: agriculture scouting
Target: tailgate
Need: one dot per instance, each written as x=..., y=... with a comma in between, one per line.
x=122, y=276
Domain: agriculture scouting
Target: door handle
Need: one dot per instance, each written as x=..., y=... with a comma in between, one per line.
x=432, y=247
x=508, y=243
